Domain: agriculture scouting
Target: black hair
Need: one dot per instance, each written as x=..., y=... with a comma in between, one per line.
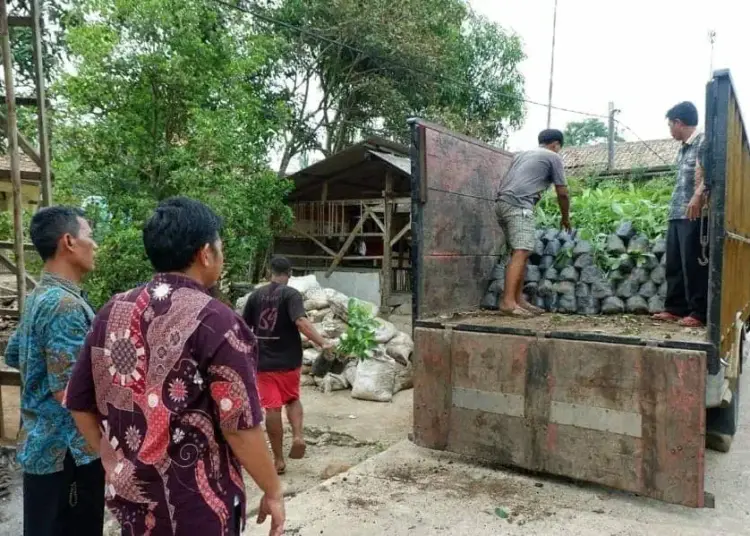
x=551, y=135
x=50, y=224
x=281, y=266
x=177, y=230
x=684, y=112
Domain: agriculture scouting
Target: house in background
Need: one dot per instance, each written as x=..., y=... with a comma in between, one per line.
x=352, y=222
x=652, y=157
x=31, y=186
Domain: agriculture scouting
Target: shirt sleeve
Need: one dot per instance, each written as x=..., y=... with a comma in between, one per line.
x=63, y=339
x=295, y=306
x=80, y=394
x=231, y=374
x=12, y=351
x=557, y=171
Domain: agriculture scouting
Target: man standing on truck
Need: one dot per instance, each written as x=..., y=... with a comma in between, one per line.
x=530, y=174
x=277, y=315
x=687, y=280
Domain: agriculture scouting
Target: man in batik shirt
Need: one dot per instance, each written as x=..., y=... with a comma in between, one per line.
x=63, y=480
x=165, y=387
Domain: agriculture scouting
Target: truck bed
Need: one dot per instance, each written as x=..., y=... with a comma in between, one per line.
x=642, y=327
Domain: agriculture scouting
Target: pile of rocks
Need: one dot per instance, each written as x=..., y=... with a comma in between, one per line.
x=623, y=274
x=386, y=370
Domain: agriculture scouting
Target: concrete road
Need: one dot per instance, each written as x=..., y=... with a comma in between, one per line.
x=415, y=492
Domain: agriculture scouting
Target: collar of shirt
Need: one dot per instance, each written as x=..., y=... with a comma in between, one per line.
x=691, y=140
x=54, y=280
x=178, y=280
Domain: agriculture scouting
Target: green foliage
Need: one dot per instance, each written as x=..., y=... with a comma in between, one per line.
x=170, y=98
x=359, y=338
x=596, y=211
x=432, y=58
x=587, y=132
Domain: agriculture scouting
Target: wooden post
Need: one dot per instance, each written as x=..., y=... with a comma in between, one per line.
x=36, y=42
x=15, y=172
x=386, y=289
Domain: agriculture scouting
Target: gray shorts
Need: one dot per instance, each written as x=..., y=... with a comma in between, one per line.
x=518, y=225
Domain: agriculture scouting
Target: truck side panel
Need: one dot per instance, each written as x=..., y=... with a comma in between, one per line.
x=455, y=235
x=728, y=178
x=628, y=417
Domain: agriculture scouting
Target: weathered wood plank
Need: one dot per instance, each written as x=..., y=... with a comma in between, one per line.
x=653, y=447
x=458, y=225
x=432, y=392
x=451, y=283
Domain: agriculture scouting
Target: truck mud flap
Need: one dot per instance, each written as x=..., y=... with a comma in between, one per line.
x=624, y=416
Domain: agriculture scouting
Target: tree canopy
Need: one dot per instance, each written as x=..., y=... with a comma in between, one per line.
x=587, y=132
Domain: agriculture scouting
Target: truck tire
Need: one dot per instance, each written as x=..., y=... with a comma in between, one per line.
x=721, y=423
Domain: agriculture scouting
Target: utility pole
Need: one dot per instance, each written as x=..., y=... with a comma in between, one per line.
x=712, y=40
x=611, y=138
x=552, y=67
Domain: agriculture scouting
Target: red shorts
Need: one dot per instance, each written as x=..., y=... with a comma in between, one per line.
x=278, y=388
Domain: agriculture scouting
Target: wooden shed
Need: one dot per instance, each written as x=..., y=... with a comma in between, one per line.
x=352, y=222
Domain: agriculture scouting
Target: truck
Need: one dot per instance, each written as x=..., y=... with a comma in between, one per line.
x=577, y=397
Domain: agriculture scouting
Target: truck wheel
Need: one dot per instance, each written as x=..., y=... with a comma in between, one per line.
x=721, y=423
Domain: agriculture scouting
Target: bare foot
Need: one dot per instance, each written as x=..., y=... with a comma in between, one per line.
x=298, y=449
x=516, y=311
x=280, y=466
x=531, y=308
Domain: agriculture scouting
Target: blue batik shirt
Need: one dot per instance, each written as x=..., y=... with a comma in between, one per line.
x=50, y=334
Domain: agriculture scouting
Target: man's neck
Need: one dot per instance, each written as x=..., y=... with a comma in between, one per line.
x=64, y=270
x=277, y=280
x=688, y=134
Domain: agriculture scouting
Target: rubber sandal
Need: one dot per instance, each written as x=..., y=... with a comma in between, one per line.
x=691, y=322
x=666, y=317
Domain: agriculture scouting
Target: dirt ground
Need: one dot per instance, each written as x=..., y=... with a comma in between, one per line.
x=621, y=325
x=341, y=431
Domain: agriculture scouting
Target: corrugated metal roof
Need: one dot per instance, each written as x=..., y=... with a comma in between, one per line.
x=400, y=162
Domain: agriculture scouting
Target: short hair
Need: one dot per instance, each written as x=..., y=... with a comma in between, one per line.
x=551, y=135
x=50, y=224
x=281, y=266
x=177, y=230
x=684, y=112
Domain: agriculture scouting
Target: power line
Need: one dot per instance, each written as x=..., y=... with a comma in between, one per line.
x=413, y=70
x=317, y=35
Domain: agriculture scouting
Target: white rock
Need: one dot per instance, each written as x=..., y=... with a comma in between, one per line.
x=304, y=284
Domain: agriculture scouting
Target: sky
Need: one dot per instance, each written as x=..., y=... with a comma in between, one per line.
x=644, y=55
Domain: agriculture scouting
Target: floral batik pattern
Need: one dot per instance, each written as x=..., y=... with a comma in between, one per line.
x=165, y=367
x=44, y=347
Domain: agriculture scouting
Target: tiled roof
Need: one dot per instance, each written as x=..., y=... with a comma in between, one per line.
x=27, y=165
x=629, y=155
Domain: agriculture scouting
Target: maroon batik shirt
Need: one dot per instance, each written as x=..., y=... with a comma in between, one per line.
x=166, y=368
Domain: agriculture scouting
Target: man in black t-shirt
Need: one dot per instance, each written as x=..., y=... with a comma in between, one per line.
x=276, y=314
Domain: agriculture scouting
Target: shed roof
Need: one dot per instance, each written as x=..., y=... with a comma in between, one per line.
x=29, y=170
x=355, y=167
x=645, y=155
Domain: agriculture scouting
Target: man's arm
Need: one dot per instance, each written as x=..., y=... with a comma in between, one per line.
x=80, y=395
x=231, y=367
x=695, y=206
x=296, y=311
x=557, y=173
x=64, y=336
x=12, y=351
x=563, y=199
x=308, y=330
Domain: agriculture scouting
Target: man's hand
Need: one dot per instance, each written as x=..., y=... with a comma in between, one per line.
x=272, y=506
x=565, y=224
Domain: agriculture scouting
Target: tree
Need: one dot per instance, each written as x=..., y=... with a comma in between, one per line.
x=357, y=68
x=587, y=132
x=169, y=98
